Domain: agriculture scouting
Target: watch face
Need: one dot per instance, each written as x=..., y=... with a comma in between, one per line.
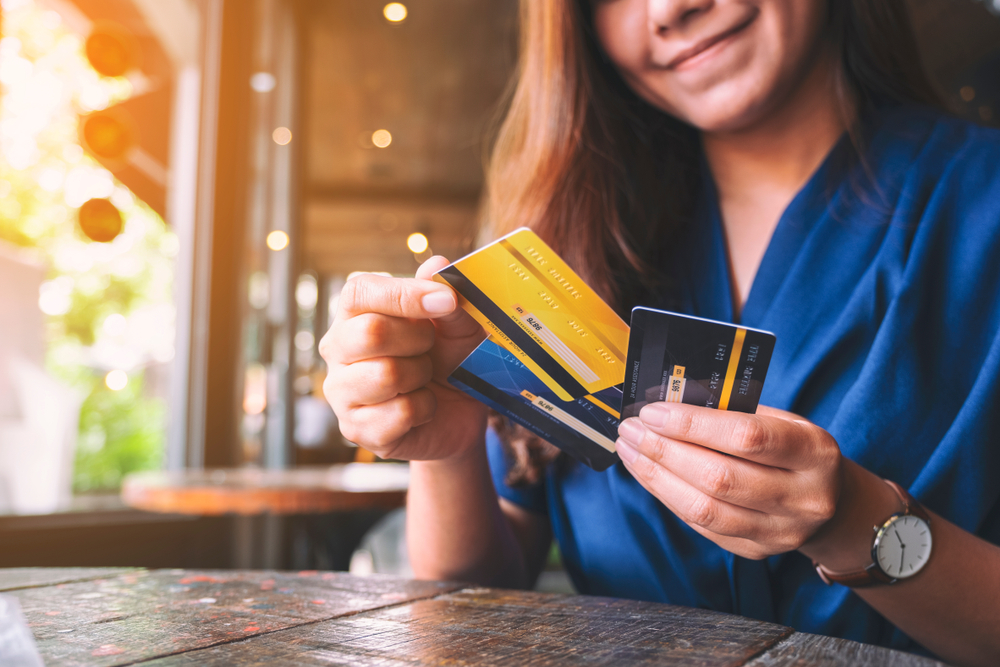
x=902, y=546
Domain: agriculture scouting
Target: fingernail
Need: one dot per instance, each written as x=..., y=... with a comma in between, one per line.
x=438, y=302
x=654, y=415
x=632, y=431
x=626, y=451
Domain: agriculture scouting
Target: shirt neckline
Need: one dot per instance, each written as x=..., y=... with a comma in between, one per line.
x=796, y=221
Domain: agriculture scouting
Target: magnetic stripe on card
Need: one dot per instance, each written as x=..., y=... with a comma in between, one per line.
x=517, y=335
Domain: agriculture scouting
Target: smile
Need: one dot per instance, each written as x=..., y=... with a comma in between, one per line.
x=701, y=47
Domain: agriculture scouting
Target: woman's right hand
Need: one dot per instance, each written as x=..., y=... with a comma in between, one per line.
x=391, y=347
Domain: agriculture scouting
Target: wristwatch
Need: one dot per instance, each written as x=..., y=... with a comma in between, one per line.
x=900, y=550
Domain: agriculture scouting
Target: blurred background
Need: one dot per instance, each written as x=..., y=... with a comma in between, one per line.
x=185, y=185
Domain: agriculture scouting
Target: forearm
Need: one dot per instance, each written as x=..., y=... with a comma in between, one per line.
x=952, y=607
x=455, y=528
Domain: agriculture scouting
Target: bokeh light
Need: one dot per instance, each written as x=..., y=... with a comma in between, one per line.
x=55, y=297
x=277, y=240
x=394, y=12
x=259, y=290
x=417, y=243
x=115, y=324
x=304, y=341
x=116, y=380
x=255, y=389
x=282, y=136
x=307, y=293
x=263, y=82
x=100, y=220
x=109, y=134
x=111, y=50
x=381, y=138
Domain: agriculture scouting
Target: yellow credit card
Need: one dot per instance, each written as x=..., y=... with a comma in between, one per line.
x=539, y=309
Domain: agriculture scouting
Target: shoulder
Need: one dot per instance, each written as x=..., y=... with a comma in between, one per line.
x=933, y=182
x=939, y=174
x=941, y=149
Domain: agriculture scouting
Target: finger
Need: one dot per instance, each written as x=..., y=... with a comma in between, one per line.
x=734, y=480
x=768, y=411
x=690, y=504
x=768, y=440
x=378, y=380
x=397, y=297
x=459, y=327
x=378, y=427
x=427, y=270
x=370, y=335
x=459, y=322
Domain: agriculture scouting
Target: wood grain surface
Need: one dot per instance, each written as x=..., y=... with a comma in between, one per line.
x=178, y=618
x=802, y=649
x=32, y=577
x=490, y=627
x=143, y=615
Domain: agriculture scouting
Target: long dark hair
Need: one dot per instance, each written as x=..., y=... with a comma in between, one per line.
x=607, y=180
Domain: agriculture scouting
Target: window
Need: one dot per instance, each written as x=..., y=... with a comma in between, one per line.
x=87, y=263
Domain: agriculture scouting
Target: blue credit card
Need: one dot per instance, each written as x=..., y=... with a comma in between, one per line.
x=585, y=428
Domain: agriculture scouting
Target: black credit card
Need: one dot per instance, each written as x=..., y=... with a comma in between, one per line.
x=682, y=359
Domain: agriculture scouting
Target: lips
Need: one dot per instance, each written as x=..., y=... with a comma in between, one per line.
x=705, y=44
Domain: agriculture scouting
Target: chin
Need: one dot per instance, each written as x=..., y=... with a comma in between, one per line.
x=730, y=106
x=730, y=120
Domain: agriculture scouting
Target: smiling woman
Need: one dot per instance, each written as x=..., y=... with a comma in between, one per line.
x=779, y=163
x=724, y=71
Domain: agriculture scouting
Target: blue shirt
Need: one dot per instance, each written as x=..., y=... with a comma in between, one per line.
x=882, y=283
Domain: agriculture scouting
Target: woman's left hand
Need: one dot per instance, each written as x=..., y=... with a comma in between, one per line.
x=756, y=485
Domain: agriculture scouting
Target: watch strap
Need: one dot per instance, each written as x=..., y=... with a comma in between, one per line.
x=910, y=505
x=869, y=576
x=873, y=574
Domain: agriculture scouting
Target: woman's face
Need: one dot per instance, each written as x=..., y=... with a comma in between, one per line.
x=720, y=65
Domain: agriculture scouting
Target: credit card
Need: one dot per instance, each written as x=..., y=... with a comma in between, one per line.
x=683, y=359
x=585, y=428
x=538, y=308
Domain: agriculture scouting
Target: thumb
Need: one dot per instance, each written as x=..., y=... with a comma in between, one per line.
x=431, y=266
x=458, y=323
x=459, y=332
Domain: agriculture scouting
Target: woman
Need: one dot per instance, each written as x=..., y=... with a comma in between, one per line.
x=774, y=162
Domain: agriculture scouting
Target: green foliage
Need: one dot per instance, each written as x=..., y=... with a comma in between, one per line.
x=120, y=432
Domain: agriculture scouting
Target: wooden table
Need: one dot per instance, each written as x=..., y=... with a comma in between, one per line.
x=170, y=618
x=251, y=491
x=323, y=510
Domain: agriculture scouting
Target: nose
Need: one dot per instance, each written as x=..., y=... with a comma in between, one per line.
x=667, y=15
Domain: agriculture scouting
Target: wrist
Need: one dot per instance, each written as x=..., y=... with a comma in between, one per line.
x=844, y=543
x=470, y=455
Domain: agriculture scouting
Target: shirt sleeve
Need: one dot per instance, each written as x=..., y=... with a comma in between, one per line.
x=530, y=497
